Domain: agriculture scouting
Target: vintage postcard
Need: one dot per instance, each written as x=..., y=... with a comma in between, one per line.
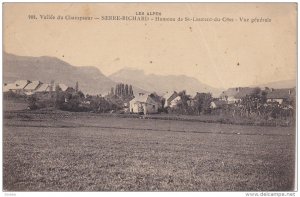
x=149, y=97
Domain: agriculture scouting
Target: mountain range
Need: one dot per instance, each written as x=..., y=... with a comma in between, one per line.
x=46, y=69
x=161, y=83
x=92, y=81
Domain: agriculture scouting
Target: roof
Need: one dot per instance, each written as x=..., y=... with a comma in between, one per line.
x=8, y=87
x=238, y=92
x=143, y=99
x=17, y=85
x=21, y=84
x=45, y=87
x=177, y=98
x=281, y=93
x=169, y=94
x=62, y=86
x=33, y=85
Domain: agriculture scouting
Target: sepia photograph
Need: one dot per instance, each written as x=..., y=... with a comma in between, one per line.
x=149, y=97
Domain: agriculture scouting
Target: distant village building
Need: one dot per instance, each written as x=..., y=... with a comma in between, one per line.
x=17, y=87
x=280, y=95
x=169, y=97
x=158, y=99
x=175, y=102
x=233, y=95
x=8, y=87
x=143, y=104
x=31, y=87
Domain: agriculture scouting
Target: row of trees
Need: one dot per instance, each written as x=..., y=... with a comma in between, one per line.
x=70, y=100
x=75, y=101
x=122, y=90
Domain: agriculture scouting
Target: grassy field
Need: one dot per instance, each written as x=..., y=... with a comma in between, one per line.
x=63, y=151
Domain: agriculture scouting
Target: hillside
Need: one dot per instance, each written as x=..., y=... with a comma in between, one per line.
x=45, y=69
x=280, y=84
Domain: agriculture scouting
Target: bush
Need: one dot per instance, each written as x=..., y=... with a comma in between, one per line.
x=13, y=95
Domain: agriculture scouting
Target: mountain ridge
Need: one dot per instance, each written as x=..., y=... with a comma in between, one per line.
x=162, y=83
x=279, y=84
x=92, y=81
x=46, y=68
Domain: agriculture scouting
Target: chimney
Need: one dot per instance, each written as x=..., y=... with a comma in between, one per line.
x=290, y=91
x=272, y=89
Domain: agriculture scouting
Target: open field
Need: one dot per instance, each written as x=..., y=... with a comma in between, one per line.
x=66, y=151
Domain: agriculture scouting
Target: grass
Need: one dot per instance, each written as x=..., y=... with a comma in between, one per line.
x=65, y=151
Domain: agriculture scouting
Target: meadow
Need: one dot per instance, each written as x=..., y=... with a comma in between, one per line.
x=65, y=151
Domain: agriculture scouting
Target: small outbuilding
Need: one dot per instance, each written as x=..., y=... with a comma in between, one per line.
x=168, y=97
x=143, y=104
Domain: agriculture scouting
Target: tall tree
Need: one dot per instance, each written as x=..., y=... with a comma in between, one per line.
x=126, y=90
x=112, y=91
x=123, y=90
x=116, y=90
x=76, y=86
x=130, y=90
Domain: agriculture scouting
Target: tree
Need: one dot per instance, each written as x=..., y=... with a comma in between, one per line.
x=122, y=90
x=76, y=87
x=126, y=90
x=252, y=103
x=130, y=90
x=202, y=102
x=182, y=106
x=116, y=90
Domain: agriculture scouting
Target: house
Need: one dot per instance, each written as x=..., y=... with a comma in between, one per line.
x=280, y=95
x=143, y=104
x=233, y=95
x=157, y=99
x=17, y=87
x=31, y=87
x=175, y=102
x=217, y=104
x=169, y=96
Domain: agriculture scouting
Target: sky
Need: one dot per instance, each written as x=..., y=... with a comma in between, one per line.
x=222, y=54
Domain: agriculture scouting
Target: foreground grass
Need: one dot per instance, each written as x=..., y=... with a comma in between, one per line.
x=91, y=153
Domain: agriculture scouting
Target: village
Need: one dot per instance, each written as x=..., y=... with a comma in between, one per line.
x=268, y=103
